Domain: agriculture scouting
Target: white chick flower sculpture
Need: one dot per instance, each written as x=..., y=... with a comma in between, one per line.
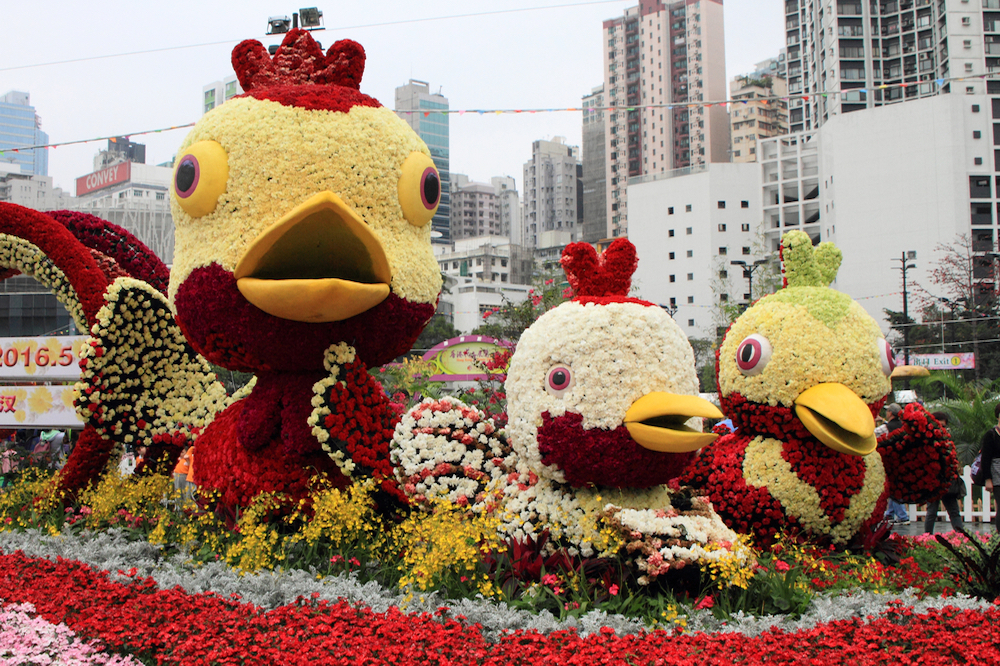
x=602, y=397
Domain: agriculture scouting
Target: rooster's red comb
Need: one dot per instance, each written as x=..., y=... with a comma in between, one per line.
x=299, y=60
x=606, y=275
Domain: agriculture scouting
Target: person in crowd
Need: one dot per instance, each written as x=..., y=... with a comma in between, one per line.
x=181, y=470
x=990, y=449
x=951, y=499
x=126, y=467
x=140, y=459
x=895, y=512
x=189, y=489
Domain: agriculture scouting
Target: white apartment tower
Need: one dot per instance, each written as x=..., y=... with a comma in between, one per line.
x=474, y=210
x=552, y=202
x=660, y=57
x=883, y=52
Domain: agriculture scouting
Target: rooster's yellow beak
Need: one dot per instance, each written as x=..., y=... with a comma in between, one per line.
x=318, y=263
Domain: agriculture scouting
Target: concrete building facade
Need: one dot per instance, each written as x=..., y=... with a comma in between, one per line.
x=218, y=92
x=21, y=126
x=594, y=226
x=688, y=225
x=509, y=208
x=474, y=209
x=421, y=108
x=553, y=190
x=659, y=57
x=758, y=112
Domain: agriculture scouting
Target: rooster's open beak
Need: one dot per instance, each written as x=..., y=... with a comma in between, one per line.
x=657, y=422
x=318, y=263
x=836, y=416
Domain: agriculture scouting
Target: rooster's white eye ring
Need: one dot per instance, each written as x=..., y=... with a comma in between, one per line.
x=887, y=356
x=753, y=354
x=559, y=380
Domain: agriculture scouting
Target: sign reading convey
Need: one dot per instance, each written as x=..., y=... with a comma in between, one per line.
x=41, y=359
x=944, y=361
x=461, y=358
x=38, y=407
x=118, y=173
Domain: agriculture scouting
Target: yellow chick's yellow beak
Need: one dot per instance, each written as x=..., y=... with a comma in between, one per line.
x=318, y=263
x=836, y=416
x=657, y=422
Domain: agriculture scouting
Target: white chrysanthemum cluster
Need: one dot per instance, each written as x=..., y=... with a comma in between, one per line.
x=141, y=377
x=445, y=449
x=29, y=259
x=334, y=358
x=616, y=353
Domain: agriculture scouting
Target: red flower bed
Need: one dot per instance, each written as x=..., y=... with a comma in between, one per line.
x=174, y=627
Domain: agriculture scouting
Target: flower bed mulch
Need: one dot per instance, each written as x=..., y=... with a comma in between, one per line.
x=174, y=627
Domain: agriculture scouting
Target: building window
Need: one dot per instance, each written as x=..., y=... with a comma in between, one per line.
x=670, y=233
x=723, y=251
x=975, y=108
x=670, y=211
x=722, y=227
x=690, y=277
x=671, y=255
x=723, y=274
x=687, y=208
x=160, y=196
x=722, y=205
x=745, y=227
x=723, y=298
x=690, y=253
x=690, y=300
x=673, y=278
x=687, y=232
x=976, y=134
x=979, y=187
x=746, y=251
x=690, y=322
x=978, y=161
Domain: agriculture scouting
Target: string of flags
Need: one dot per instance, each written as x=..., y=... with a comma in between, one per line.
x=637, y=107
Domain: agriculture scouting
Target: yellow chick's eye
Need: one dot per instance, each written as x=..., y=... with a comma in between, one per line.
x=200, y=177
x=419, y=189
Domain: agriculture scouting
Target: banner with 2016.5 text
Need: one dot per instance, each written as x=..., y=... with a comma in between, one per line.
x=52, y=359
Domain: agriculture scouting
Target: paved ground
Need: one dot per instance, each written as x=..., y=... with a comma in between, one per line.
x=917, y=527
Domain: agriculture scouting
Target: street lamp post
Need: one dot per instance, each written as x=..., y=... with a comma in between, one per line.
x=748, y=271
x=904, y=265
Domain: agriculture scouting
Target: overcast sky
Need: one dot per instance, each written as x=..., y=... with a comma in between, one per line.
x=478, y=59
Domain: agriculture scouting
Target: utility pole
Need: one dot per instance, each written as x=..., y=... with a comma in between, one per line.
x=748, y=271
x=904, y=265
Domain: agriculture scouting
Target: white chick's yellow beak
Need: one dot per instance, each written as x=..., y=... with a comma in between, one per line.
x=657, y=421
x=318, y=263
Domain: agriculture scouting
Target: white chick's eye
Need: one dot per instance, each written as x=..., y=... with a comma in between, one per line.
x=559, y=380
x=887, y=357
x=753, y=354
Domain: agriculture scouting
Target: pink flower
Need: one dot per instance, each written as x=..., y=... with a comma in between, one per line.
x=781, y=565
x=705, y=602
x=613, y=590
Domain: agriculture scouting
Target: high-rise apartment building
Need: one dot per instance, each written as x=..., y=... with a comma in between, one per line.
x=553, y=193
x=218, y=92
x=474, y=210
x=508, y=208
x=759, y=111
x=595, y=194
x=20, y=126
x=875, y=53
x=422, y=110
x=660, y=55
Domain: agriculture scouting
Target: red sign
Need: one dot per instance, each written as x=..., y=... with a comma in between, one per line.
x=119, y=173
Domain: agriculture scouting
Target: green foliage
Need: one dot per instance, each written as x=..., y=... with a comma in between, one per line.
x=438, y=329
x=511, y=319
x=981, y=565
x=408, y=382
x=970, y=409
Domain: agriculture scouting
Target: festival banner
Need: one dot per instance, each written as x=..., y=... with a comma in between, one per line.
x=38, y=407
x=965, y=361
x=462, y=358
x=41, y=359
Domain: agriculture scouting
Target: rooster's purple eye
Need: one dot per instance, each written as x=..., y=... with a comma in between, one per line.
x=753, y=354
x=559, y=380
x=887, y=357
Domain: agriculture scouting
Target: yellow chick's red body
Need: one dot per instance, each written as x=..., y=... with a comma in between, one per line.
x=301, y=211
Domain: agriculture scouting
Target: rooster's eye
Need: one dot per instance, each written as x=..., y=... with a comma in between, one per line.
x=559, y=380
x=753, y=354
x=419, y=189
x=200, y=177
x=887, y=357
